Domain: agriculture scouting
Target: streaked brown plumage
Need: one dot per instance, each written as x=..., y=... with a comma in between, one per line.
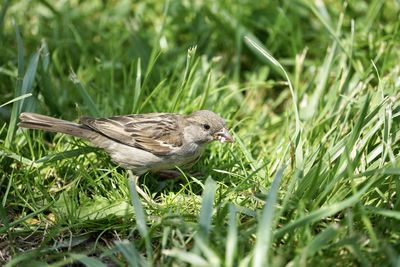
x=142, y=142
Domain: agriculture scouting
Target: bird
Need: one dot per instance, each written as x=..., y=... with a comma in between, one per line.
x=141, y=143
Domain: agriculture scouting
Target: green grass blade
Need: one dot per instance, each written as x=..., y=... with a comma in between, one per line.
x=87, y=261
x=324, y=212
x=17, y=157
x=232, y=238
x=256, y=45
x=16, y=99
x=252, y=42
x=384, y=212
x=321, y=83
x=3, y=212
x=25, y=259
x=129, y=251
x=186, y=77
x=29, y=77
x=265, y=225
x=17, y=105
x=315, y=245
x=66, y=154
x=3, y=12
x=209, y=254
x=319, y=241
x=46, y=86
x=26, y=88
x=138, y=87
x=87, y=99
x=191, y=258
x=20, y=55
x=206, y=210
x=23, y=219
x=329, y=29
x=140, y=216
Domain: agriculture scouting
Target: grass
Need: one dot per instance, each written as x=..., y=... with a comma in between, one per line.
x=310, y=90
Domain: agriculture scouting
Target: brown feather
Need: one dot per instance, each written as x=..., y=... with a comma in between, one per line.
x=158, y=133
x=41, y=122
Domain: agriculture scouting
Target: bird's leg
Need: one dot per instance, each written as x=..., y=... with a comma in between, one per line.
x=146, y=197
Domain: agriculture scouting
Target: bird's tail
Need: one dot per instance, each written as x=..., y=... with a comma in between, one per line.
x=46, y=123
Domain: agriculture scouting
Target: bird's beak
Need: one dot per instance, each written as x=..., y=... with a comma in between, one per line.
x=223, y=136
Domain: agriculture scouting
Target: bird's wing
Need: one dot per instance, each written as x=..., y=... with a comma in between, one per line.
x=158, y=133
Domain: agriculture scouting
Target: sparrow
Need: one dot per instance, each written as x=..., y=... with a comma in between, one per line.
x=142, y=143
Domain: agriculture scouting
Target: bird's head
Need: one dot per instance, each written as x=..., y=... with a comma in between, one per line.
x=205, y=126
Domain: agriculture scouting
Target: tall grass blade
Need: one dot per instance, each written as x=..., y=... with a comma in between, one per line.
x=260, y=49
x=130, y=253
x=232, y=238
x=87, y=261
x=206, y=210
x=3, y=12
x=138, y=87
x=208, y=253
x=66, y=154
x=140, y=216
x=318, y=243
x=46, y=86
x=188, y=257
x=23, y=88
x=16, y=99
x=23, y=219
x=16, y=105
x=324, y=212
x=256, y=45
x=87, y=99
x=265, y=226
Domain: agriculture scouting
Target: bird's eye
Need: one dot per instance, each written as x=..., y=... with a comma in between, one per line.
x=206, y=126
